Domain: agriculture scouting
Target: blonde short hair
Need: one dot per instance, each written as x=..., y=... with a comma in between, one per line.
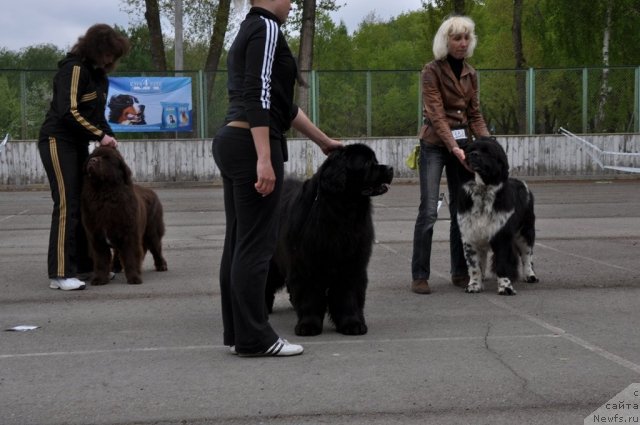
x=451, y=26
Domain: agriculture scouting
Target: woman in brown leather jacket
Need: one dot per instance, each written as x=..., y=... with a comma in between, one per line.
x=450, y=113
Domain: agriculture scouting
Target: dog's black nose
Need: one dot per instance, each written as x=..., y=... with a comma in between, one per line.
x=389, y=176
x=93, y=160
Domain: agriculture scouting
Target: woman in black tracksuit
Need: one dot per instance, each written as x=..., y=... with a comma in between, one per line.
x=76, y=117
x=250, y=151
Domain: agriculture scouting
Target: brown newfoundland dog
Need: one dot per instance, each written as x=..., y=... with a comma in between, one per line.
x=120, y=215
x=325, y=241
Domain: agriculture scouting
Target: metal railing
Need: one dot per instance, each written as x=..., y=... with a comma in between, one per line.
x=371, y=103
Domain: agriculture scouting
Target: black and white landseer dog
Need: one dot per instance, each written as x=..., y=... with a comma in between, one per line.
x=495, y=213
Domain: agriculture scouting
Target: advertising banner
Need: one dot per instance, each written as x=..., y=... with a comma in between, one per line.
x=149, y=104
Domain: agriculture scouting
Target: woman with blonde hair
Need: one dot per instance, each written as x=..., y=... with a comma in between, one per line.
x=451, y=115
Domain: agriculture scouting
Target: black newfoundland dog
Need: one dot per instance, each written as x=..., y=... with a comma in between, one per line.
x=495, y=213
x=120, y=215
x=325, y=241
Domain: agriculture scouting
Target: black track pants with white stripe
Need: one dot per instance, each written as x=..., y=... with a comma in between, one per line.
x=63, y=161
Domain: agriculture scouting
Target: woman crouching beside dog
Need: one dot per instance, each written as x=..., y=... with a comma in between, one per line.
x=450, y=111
x=250, y=153
x=76, y=117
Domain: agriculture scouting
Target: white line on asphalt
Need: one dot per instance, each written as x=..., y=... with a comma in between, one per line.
x=117, y=350
x=387, y=247
x=14, y=215
x=221, y=347
x=582, y=257
x=566, y=335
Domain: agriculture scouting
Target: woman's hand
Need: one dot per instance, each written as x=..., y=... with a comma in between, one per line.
x=303, y=124
x=330, y=145
x=459, y=153
x=266, y=177
x=109, y=141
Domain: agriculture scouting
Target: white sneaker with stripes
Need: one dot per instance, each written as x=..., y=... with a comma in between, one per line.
x=281, y=348
x=68, y=284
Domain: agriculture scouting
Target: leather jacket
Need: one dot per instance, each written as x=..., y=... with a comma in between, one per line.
x=449, y=103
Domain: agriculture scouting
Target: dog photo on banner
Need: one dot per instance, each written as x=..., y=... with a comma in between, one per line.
x=150, y=104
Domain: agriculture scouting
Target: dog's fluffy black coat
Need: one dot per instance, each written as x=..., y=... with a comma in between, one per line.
x=325, y=241
x=120, y=215
x=495, y=213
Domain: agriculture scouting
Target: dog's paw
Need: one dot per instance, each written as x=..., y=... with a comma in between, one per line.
x=355, y=328
x=99, y=281
x=308, y=329
x=531, y=279
x=473, y=288
x=162, y=267
x=134, y=280
x=505, y=287
x=507, y=291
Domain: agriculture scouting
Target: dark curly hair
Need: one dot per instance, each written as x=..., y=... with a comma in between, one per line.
x=100, y=40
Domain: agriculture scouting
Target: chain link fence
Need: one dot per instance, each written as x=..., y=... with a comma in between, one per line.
x=348, y=104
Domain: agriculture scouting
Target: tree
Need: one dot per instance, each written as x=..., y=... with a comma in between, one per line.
x=305, y=52
x=41, y=56
x=152, y=16
x=458, y=7
x=604, y=86
x=216, y=44
x=521, y=84
x=8, y=59
x=9, y=109
x=139, y=57
x=307, y=23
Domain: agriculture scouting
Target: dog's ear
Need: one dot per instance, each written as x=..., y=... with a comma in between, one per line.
x=505, y=168
x=333, y=172
x=502, y=156
x=124, y=168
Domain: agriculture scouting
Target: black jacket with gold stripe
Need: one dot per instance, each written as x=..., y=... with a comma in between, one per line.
x=77, y=110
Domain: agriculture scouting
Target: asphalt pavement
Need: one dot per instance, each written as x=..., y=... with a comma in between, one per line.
x=153, y=353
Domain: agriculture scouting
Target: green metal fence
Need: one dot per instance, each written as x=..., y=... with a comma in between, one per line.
x=386, y=103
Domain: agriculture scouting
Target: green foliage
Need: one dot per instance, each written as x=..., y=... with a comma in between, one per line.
x=198, y=16
x=9, y=109
x=294, y=21
x=342, y=105
x=139, y=58
x=394, y=107
x=8, y=59
x=332, y=46
x=25, y=96
x=402, y=43
x=555, y=34
x=43, y=56
x=38, y=97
